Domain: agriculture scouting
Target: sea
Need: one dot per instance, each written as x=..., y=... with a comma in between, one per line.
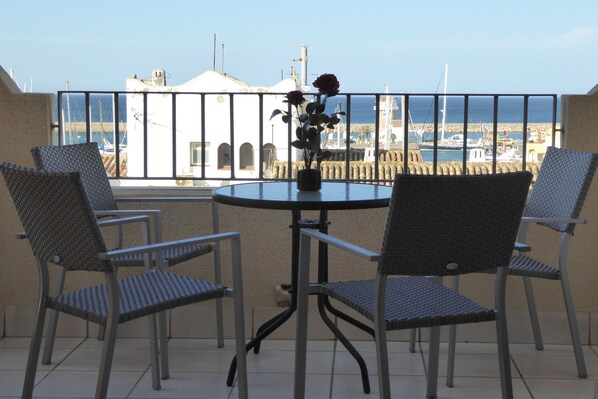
x=421, y=111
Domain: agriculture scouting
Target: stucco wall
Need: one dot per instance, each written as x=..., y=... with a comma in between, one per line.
x=24, y=122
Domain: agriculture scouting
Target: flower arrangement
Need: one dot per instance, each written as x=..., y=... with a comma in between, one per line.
x=311, y=119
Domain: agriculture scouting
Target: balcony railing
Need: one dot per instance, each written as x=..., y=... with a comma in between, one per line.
x=201, y=137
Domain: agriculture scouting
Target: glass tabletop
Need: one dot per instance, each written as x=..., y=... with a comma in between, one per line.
x=284, y=195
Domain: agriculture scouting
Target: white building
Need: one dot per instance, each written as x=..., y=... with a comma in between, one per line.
x=221, y=150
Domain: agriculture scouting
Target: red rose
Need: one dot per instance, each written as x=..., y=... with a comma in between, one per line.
x=327, y=84
x=294, y=97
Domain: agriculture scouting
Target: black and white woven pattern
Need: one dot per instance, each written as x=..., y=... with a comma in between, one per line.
x=525, y=266
x=562, y=185
x=82, y=158
x=171, y=256
x=410, y=302
x=57, y=217
x=446, y=225
x=141, y=295
x=86, y=159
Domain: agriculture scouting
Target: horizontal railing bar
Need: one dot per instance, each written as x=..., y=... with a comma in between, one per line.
x=236, y=165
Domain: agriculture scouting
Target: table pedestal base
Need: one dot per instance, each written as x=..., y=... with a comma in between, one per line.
x=323, y=303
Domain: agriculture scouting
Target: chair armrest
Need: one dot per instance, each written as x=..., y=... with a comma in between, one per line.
x=118, y=212
x=344, y=245
x=168, y=244
x=521, y=247
x=121, y=221
x=21, y=235
x=531, y=219
x=164, y=199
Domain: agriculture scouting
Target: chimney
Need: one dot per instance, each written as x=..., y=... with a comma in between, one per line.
x=158, y=77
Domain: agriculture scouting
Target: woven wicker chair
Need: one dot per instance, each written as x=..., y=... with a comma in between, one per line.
x=62, y=229
x=86, y=159
x=437, y=226
x=555, y=203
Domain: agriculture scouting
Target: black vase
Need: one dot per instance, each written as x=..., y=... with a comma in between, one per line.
x=309, y=179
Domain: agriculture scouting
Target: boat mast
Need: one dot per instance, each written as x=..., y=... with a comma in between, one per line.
x=68, y=114
x=339, y=108
x=444, y=101
x=388, y=120
x=102, y=124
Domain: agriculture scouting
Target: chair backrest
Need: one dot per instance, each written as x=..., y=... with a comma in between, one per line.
x=82, y=158
x=446, y=225
x=562, y=185
x=57, y=217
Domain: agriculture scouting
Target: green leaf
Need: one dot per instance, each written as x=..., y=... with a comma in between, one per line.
x=275, y=112
x=299, y=133
x=312, y=133
x=303, y=117
x=286, y=118
x=321, y=108
x=311, y=107
x=298, y=144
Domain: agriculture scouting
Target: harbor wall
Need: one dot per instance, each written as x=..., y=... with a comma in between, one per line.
x=25, y=121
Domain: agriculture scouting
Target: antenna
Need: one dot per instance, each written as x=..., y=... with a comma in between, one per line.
x=214, y=54
x=222, y=67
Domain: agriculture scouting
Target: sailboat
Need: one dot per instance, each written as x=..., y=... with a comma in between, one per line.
x=107, y=146
x=455, y=141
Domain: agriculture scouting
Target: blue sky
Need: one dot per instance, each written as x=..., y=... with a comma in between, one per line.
x=508, y=46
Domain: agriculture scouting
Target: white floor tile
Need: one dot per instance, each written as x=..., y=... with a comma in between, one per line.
x=208, y=360
x=284, y=362
x=76, y=384
x=349, y=387
x=399, y=363
x=561, y=388
x=16, y=358
x=89, y=359
x=277, y=386
x=540, y=365
x=475, y=388
x=199, y=370
x=11, y=381
x=184, y=385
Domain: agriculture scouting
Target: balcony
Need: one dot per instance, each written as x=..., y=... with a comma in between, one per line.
x=266, y=239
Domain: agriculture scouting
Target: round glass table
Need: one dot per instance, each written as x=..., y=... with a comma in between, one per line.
x=285, y=196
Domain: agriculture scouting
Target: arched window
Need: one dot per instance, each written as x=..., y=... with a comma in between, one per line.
x=224, y=156
x=246, y=157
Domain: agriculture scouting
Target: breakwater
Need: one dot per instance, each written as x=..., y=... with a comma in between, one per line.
x=545, y=128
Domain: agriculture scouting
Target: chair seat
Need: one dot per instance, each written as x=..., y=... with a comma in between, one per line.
x=525, y=266
x=146, y=294
x=411, y=302
x=172, y=256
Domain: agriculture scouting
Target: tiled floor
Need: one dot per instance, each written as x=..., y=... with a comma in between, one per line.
x=198, y=370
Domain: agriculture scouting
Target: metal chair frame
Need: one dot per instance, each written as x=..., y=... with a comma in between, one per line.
x=578, y=169
x=154, y=300
x=397, y=261
x=105, y=206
